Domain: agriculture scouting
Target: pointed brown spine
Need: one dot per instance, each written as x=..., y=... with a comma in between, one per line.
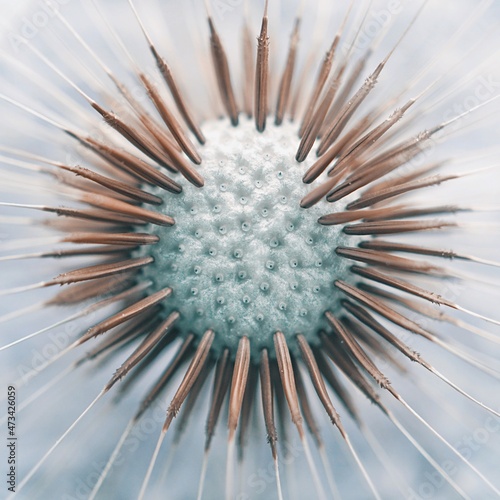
x=286, y=79
x=262, y=75
x=222, y=73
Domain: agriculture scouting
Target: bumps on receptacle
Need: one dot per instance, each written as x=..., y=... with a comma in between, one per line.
x=247, y=258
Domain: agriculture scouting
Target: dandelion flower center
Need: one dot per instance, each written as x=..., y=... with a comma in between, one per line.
x=243, y=258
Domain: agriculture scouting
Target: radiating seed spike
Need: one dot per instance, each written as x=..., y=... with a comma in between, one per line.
x=184, y=419
x=282, y=424
x=342, y=97
x=267, y=401
x=286, y=78
x=321, y=79
x=95, y=216
x=149, y=343
x=465, y=355
x=127, y=209
x=354, y=215
x=238, y=385
x=406, y=177
x=341, y=359
x=127, y=333
x=318, y=382
x=192, y=373
x=90, y=215
x=176, y=163
x=222, y=380
x=134, y=136
x=236, y=395
x=314, y=428
x=395, y=227
x=403, y=188
x=446, y=254
x=187, y=171
x=246, y=410
x=126, y=314
x=170, y=121
x=369, y=140
x=349, y=109
x=126, y=239
x=385, y=259
x=379, y=307
x=80, y=292
x=311, y=132
x=316, y=194
x=288, y=382
x=402, y=213
x=159, y=136
x=324, y=72
x=378, y=167
x=374, y=275
x=118, y=186
x=343, y=395
x=117, y=342
x=191, y=401
x=297, y=96
x=280, y=401
x=320, y=165
x=262, y=75
x=100, y=271
x=287, y=377
x=130, y=164
x=305, y=406
x=386, y=246
x=180, y=356
x=249, y=71
x=356, y=351
x=177, y=96
x=351, y=136
x=222, y=73
x=366, y=318
x=372, y=342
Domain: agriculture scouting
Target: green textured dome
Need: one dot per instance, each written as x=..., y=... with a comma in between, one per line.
x=243, y=258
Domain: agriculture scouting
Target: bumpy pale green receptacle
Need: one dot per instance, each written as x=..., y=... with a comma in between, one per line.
x=243, y=258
